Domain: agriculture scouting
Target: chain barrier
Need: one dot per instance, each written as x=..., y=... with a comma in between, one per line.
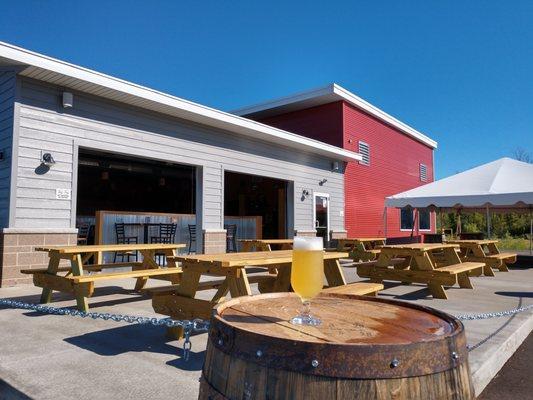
x=507, y=313
x=199, y=325
x=189, y=326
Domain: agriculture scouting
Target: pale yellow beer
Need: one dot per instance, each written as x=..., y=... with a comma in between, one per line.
x=307, y=274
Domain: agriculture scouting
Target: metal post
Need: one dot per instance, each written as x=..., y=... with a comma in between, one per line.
x=385, y=221
x=530, y=232
x=488, y=223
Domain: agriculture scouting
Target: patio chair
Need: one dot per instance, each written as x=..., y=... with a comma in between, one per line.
x=192, y=238
x=167, y=235
x=231, y=238
x=120, y=231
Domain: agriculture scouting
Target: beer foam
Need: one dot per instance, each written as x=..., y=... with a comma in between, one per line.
x=308, y=243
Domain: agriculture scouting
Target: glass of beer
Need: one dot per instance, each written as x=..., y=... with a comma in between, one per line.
x=307, y=275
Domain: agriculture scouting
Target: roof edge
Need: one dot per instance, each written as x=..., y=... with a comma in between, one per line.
x=339, y=93
x=231, y=122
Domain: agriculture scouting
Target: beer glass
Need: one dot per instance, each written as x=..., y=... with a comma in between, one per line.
x=307, y=275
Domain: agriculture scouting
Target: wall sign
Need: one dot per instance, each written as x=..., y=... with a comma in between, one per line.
x=63, y=194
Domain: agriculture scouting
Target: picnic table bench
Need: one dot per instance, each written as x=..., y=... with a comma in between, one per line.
x=248, y=245
x=180, y=302
x=82, y=286
x=433, y=264
x=361, y=249
x=486, y=251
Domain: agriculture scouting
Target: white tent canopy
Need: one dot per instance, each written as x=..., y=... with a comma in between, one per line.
x=502, y=183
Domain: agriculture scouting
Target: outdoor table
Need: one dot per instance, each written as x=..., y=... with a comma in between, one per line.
x=75, y=281
x=179, y=301
x=486, y=251
x=248, y=245
x=145, y=226
x=361, y=249
x=435, y=264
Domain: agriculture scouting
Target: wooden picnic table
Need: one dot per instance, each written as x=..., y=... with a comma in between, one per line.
x=435, y=264
x=486, y=251
x=180, y=302
x=248, y=245
x=361, y=249
x=82, y=286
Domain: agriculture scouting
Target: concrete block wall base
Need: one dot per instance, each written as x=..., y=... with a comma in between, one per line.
x=17, y=252
x=214, y=241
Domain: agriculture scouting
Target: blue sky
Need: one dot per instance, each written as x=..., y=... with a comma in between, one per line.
x=461, y=72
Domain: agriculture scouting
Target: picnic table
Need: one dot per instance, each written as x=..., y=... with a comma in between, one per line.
x=486, y=251
x=435, y=264
x=82, y=286
x=361, y=249
x=180, y=302
x=248, y=245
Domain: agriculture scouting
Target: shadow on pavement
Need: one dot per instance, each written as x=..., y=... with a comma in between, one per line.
x=124, y=339
x=194, y=363
x=8, y=392
x=516, y=294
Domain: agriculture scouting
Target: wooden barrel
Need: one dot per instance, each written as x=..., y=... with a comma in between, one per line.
x=366, y=348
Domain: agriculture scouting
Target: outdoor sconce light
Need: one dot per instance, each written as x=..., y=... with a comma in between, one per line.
x=47, y=160
x=335, y=166
x=321, y=183
x=68, y=100
x=305, y=194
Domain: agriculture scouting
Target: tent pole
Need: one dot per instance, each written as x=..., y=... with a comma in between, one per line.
x=488, y=223
x=530, y=232
x=385, y=221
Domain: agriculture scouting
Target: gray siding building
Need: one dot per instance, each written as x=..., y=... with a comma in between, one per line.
x=39, y=204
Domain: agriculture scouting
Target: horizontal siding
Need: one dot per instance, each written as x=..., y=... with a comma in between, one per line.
x=7, y=101
x=394, y=168
x=101, y=124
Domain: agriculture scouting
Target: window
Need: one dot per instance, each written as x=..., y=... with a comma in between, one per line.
x=406, y=218
x=364, y=150
x=424, y=221
x=423, y=173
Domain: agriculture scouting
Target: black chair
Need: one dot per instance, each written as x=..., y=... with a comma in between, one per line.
x=192, y=238
x=83, y=234
x=231, y=238
x=166, y=235
x=120, y=231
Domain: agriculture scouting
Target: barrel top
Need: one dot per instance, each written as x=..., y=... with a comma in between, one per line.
x=345, y=320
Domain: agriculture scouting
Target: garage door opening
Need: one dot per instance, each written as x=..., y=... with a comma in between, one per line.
x=257, y=198
x=140, y=193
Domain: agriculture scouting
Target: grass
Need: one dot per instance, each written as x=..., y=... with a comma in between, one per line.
x=513, y=244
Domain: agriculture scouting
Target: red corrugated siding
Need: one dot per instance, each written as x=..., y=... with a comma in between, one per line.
x=394, y=162
x=394, y=167
x=322, y=123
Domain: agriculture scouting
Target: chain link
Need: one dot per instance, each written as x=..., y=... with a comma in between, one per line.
x=189, y=326
x=198, y=325
x=499, y=314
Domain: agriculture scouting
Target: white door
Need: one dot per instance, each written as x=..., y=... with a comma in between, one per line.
x=321, y=215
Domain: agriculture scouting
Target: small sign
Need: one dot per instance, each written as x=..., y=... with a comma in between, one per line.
x=63, y=194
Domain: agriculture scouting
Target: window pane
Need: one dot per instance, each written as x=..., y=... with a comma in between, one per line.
x=406, y=218
x=424, y=221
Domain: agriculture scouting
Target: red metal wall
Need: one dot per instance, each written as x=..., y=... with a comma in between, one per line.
x=394, y=162
x=322, y=123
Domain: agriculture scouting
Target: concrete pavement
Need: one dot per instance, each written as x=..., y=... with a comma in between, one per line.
x=59, y=357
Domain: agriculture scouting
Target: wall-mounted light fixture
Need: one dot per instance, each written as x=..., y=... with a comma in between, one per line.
x=305, y=194
x=335, y=166
x=68, y=100
x=47, y=160
x=321, y=183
